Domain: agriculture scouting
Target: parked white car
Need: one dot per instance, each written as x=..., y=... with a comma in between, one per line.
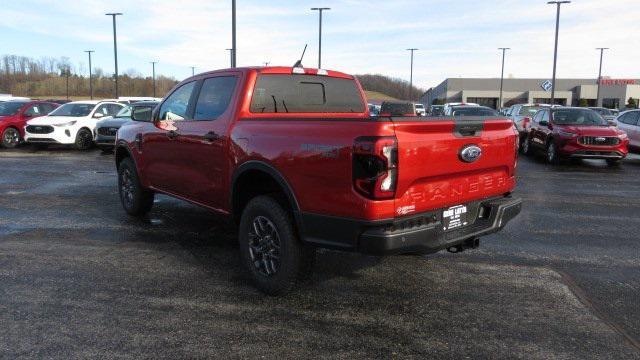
x=629, y=122
x=71, y=124
x=420, y=110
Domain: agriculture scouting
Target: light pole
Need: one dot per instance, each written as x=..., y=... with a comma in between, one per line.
x=231, y=55
x=555, y=49
x=598, y=102
x=233, y=33
x=411, y=74
x=66, y=72
x=320, y=10
x=502, y=76
x=115, y=49
x=266, y=63
x=153, y=76
x=193, y=70
x=90, y=79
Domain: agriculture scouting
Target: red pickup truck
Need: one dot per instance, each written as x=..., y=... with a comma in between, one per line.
x=294, y=157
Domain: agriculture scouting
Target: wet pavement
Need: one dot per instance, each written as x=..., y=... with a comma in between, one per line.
x=78, y=278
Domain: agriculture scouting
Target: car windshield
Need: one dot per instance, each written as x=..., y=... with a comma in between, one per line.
x=474, y=111
x=10, y=107
x=125, y=112
x=529, y=110
x=76, y=110
x=578, y=117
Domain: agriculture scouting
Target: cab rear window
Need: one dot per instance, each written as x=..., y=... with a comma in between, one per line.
x=277, y=93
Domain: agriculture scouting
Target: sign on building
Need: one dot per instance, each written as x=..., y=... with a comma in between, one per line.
x=546, y=85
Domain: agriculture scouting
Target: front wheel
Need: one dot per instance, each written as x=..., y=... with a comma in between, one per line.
x=271, y=251
x=84, y=139
x=614, y=162
x=552, y=154
x=526, y=146
x=10, y=137
x=136, y=200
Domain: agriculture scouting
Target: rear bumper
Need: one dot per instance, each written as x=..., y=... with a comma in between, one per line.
x=421, y=233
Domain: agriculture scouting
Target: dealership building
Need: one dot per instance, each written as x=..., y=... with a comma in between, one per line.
x=614, y=93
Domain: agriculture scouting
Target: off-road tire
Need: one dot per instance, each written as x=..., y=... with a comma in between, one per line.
x=295, y=259
x=136, y=200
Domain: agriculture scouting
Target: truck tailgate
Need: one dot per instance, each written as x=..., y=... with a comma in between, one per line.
x=431, y=171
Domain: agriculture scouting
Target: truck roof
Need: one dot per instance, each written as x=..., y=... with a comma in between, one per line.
x=285, y=70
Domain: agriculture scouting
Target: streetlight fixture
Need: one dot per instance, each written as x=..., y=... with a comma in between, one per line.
x=502, y=75
x=231, y=55
x=90, y=79
x=598, y=102
x=233, y=33
x=411, y=74
x=153, y=76
x=555, y=49
x=115, y=49
x=320, y=10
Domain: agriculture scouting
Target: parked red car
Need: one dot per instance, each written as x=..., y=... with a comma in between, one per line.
x=294, y=157
x=581, y=133
x=14, y=115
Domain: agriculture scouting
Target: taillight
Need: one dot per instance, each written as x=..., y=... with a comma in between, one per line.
x=375, y=166
x=525, y=122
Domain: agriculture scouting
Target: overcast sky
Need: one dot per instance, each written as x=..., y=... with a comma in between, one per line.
x=456, y=38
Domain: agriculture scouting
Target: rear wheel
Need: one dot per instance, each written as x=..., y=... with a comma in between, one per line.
x=84, y=139
x=136, y=200
x=552, y=153
x=10, y=137
x=271, y=251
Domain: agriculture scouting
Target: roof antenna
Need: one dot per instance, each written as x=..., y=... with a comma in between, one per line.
x=298, y=63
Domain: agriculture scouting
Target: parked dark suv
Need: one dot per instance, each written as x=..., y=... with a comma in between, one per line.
x=567, y=132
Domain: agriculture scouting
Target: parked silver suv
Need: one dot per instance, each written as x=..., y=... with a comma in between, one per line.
x=629, y=122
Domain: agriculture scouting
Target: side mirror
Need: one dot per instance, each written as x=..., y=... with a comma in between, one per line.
x=142, y=113
x=612, y=123
x=98, y=115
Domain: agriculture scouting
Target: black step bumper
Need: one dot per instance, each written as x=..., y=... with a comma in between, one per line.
x=420, y=233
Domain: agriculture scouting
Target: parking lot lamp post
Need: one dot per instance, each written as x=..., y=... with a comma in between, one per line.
x=555, y=49
x=193, y=70
x=231, y=56
x=502, y=76
x=598, y=101
x=320, y=10
x=233, y=33
x=90, y=79
x=115, y=50
x=153, y=76
x=411, y=75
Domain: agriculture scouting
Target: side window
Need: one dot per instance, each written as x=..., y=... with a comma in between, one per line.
x=34, y=110
x=214, y=97
x=113, y=109
x=630, y=118
x=102, y=109
x=545, y=116
x=176, y=105
x=536, y=117
x=46, y=108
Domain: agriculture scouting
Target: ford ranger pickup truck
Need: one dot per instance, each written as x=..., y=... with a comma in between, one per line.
x=292, y=155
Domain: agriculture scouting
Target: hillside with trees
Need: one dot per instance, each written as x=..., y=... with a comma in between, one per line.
x=47, y=77
x=393, y=87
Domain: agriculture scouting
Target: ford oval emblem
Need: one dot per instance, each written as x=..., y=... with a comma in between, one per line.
x=470, y=153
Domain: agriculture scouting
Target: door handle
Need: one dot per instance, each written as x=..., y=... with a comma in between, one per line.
x=211, y=136
x=172, y=134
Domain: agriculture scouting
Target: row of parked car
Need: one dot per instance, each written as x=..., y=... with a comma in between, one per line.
x=82, y=124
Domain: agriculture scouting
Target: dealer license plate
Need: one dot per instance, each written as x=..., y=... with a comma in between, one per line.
x=454, y=218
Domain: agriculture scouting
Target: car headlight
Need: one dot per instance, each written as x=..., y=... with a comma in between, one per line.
x=567, y=134
x=70, y=123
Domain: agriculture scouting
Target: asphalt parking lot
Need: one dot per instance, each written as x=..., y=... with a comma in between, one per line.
x=80, y=279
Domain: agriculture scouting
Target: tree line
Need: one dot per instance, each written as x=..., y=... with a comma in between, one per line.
x=48, y=77
x=393, y=87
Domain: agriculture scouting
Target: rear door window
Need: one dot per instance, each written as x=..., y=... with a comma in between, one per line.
x=214, y=98
x=276, y=93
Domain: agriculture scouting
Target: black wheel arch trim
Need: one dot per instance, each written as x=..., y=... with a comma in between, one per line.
x=277, y=176
x=121, y=144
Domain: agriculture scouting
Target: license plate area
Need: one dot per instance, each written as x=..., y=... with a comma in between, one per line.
x=455, y=217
